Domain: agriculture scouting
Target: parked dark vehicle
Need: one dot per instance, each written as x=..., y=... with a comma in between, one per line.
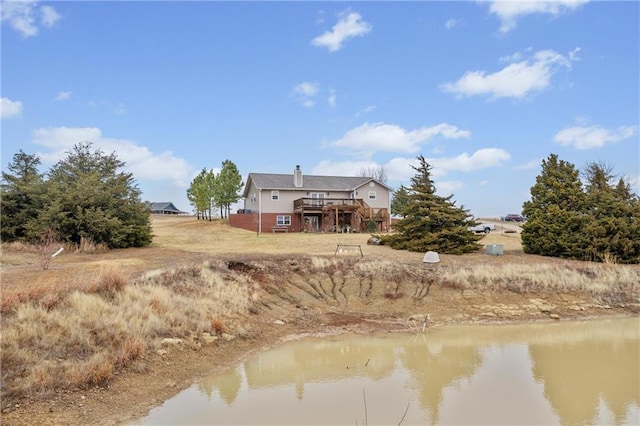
x=514, y=218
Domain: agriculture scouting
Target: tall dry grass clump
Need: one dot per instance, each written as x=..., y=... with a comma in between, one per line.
x=110, y=282
x=50, y=243
x=83, y=338
x=20, y=247
x=609, y=284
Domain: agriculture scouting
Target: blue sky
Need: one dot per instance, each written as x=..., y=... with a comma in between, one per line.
x=483, y=90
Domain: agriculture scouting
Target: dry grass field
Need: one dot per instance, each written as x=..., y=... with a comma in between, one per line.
x=179, y=239
x=204, y=294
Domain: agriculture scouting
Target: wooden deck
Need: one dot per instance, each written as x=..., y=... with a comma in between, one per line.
x=340, y=214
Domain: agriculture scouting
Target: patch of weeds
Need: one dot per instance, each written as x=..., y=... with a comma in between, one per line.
x=453, y=285
x=217, y=325
x=130, y=350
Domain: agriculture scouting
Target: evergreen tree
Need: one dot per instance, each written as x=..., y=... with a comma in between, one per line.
x=623, y=191
x=556, y=212
x=22, y=196
x=211, y=180
x=399, y=201
x=614, y=220
x=228, y=185
x=599, y=222
x=432, y=222
x=89, y=198
x=201, y=193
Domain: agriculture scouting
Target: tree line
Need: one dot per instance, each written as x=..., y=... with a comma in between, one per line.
x=85, y=197
x=586, y=216
x=210, y=190
x=594, y=218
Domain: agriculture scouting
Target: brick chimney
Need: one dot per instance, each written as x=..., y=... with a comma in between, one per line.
x=297, y=177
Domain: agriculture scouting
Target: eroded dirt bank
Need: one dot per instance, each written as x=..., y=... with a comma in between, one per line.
x=300, y=296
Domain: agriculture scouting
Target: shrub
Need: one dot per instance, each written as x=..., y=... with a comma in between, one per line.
x=217, y=325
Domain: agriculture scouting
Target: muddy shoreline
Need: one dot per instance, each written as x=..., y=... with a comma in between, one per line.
x=129, y=397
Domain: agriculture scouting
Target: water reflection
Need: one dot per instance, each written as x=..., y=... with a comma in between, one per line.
x=559, y=373
x=593, y=372
x=435, y=363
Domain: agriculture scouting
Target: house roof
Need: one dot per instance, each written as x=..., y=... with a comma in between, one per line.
x=164, y=206
x=309, y=182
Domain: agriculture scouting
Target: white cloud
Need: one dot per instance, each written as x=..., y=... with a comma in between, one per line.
x=516, y=80
x=332, y=98
x=307, y=89
x=23, y=16
x=436, y=150
x=400, y=169
x=49, y=16
x=349, y=25
x=452, y=23
x=593, y=136
x=370, y=138
x=573, y=55
x=62, y=96
x=510, y=11
x=448, y=187
x=365, y=110
x=9, y=108
x=514, y=57
x=306, y=93
x=481, y=159
x=144, y=164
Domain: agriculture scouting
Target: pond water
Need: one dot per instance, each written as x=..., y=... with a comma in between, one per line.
x=553, y=373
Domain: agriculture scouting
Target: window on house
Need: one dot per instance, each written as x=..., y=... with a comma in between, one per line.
x=283, y=220
x=372, y=195
x=275, y=195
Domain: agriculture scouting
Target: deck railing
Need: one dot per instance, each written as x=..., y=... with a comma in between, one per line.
x=319, y=203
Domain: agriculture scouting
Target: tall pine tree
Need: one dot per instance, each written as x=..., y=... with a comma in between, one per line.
x=614, y=216
x=228, y=187
x=201, y=193
x=400, y=201
x=22, y=197
x=432, y=222
x=555, y=213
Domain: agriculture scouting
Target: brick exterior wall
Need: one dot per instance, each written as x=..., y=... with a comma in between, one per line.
x=250, y=221
x=244, y=221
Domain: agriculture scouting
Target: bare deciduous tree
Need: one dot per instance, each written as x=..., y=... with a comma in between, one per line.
x=378, y=173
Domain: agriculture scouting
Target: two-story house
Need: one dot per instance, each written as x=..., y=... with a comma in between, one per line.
x=297, y=203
